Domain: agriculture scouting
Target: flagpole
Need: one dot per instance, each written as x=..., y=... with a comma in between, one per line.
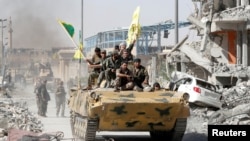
x=81, y=41
x=82, y=22
x=71, y=38
x=59, y=21
x=79, y=48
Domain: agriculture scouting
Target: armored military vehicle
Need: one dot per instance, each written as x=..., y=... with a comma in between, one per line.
x=162, y=113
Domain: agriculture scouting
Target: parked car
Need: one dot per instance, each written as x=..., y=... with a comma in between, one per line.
x=198, y=91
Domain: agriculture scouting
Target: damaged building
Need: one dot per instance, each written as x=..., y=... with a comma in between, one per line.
x=221, y=56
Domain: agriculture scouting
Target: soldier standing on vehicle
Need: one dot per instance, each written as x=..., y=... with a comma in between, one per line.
x=60, y=99
x=123, y=48
x=45, y=97
x=126, y=53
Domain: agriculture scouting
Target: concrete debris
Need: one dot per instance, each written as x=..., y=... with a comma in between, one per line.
x=222, y=58
x=237, y=13
x=238, y=115
x=22, y=135
x=236, y=95
x=235, y=110
x=16, y=115
x=220, y=55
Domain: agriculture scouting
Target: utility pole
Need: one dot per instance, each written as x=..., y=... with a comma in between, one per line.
x=181, y=67
x=176, y=22
x=10, y=34
x=2, y=20
x=2, y=44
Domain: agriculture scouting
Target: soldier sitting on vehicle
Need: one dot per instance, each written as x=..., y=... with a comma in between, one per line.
x=96, y=59
x=111, y=64
x=141, y=76
x=124, y=78
x=102, y=67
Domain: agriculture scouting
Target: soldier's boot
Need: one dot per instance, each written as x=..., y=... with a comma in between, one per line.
x=43, y=115
x=138, y=89
x=116, y=89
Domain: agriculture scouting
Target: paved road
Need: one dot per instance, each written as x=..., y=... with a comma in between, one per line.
x=51, y=122
x=54, y=124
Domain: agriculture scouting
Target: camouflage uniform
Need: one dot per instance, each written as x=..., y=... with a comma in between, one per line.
x=124, y=82
x=60, y=99
x=45, y=97
x=141, y=77
x=129, y=50
x=111, y=65
x=96, y=71
x=128, y=58
x=126, y=55
x=140, y=74
x=102, y=73
x=38, y=96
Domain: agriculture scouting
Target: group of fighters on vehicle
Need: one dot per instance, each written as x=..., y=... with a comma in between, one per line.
x=120, y=69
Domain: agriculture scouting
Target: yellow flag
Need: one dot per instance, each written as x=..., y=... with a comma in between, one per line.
x=135, y=28
x=78, y=53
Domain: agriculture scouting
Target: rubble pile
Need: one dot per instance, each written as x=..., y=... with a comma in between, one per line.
x=198, y=120
x=237, y=12
x=236, y=107
x=16, y=115
x=235, y=110
x=195, y=45
x=236, y=95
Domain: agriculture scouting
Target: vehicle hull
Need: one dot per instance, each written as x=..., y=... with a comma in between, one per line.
x=105, y=110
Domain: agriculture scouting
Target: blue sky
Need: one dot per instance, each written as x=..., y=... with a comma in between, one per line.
x=35, y=25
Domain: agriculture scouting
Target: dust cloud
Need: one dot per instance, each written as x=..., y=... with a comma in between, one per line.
x=34, y=24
